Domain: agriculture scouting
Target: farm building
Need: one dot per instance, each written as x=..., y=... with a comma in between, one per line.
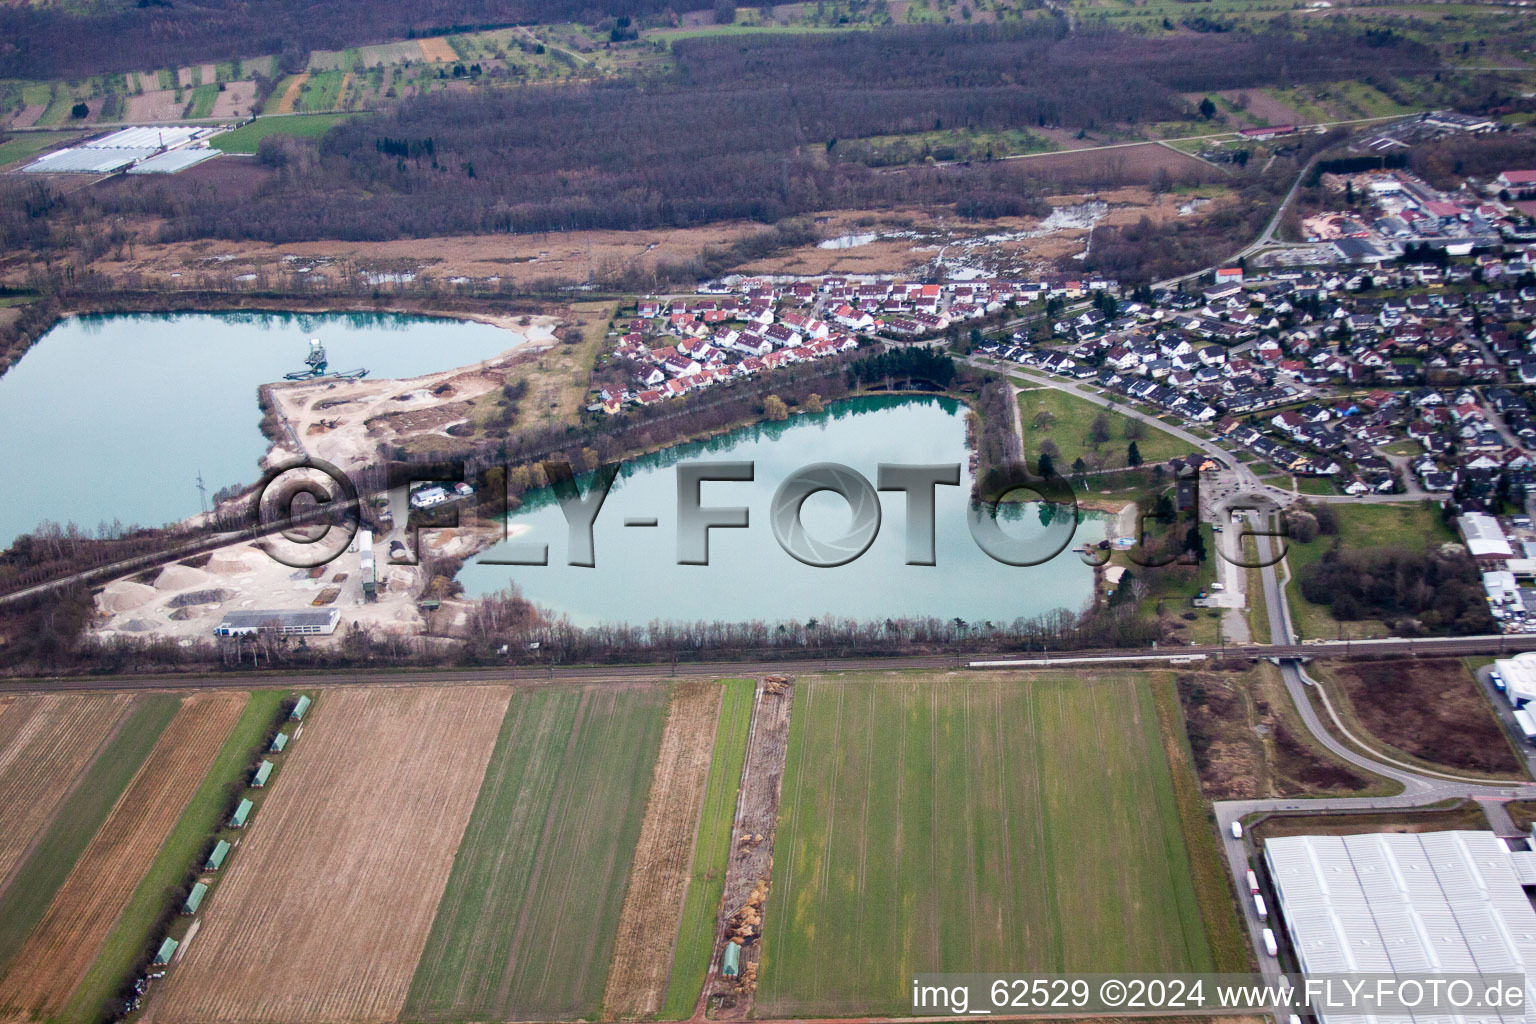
x=302, y=706
x=263, y=773
x=301, y=622
x=195, y=898
x=165, y=952
x=241, y=814
x=216, y=858
x=1389, y=903
x=279, y=742
x=730, y=965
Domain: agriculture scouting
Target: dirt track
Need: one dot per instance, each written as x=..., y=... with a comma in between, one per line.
x=749, y=873
x=658, y=879
x=45, y=744
x=328, y=905
x=60, y=950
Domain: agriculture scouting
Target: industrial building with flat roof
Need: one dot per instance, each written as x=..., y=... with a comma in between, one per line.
x=1427, y=903
x=1519, y=677
x=1485, y=539
x=300, y=622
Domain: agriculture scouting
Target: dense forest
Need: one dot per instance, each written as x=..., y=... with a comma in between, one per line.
x=1412, y=591
x=741, y=128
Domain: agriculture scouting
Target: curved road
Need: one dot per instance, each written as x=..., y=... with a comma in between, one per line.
x=1419, y=787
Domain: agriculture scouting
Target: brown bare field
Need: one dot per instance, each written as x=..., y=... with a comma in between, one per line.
x=290, y=96
x=236, y=100
x=573, y=256
x=154, y=105
x=1248, y=743
x=521, y=259
x=897, y=255
x=1262, y=105
x=65, y=942
x=26, y=116
x=1133, y=164
x=1429, y=708
x=326, y=910
x=45, y=743
x=437, y=51
x=658, y=879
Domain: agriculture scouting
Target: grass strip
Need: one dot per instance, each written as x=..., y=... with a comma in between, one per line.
x=711, y=852
x=1213, y=891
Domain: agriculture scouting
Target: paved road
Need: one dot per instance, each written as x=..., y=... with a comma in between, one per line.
x=1418, y=787
x=1246, y=477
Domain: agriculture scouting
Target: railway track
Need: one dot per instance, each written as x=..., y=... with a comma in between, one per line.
x=1426, y=647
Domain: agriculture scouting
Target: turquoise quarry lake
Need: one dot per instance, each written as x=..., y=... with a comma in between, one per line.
x=637, y=579
x=111, y=418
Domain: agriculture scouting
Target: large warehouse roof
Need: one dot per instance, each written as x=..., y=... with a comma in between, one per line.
x=175, y=160
x=1485, y=537
x=1436, y=902
x=148, y=137
x=87, y=160
x=302, y=621
x=1519, y=675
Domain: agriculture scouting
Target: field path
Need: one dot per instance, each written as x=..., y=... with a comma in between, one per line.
x=60, y=949
x=46, y=742
x=326, y=909
x=658, y=878
x=291, y=94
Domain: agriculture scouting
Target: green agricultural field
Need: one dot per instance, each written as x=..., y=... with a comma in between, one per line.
x=939, y=823
x=202, y=101
x=712, y=847
x=247, y=137
x=1070, y=428
x=321, y=92
x=525, y=929
x=26, y=144
x=39, y=876
x=181, y=852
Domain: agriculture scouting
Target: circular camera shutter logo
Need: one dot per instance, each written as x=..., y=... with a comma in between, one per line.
x=862, y=500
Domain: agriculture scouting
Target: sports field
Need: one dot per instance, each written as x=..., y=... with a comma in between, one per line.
x=526, y=926
x=949, y=823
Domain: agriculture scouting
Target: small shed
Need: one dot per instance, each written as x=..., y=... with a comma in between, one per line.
x=241, y=813
x=195, y=898
x=299, y=709
x=216, y=858
x=165, y=952
x=279, y=742
x=730, y=966
x=263, y=773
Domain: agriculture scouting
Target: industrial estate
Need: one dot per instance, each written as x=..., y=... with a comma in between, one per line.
x=525, y=511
